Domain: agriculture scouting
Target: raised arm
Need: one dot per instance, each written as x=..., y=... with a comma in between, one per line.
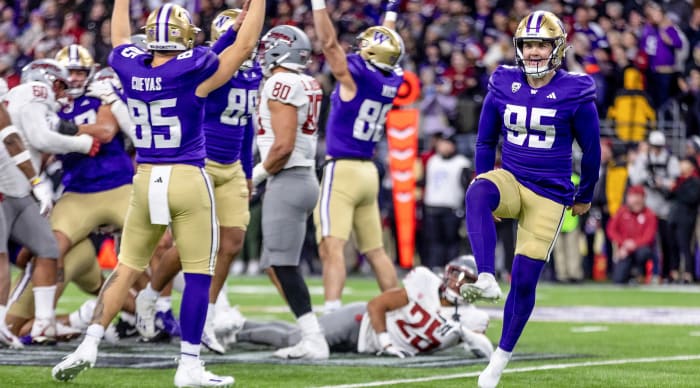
x=392, y=7
x=332, y=50
x=233, y=56
x=121, y=28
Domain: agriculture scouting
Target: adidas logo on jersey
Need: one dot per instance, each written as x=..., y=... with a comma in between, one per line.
x=159, y=180
x=552, y=96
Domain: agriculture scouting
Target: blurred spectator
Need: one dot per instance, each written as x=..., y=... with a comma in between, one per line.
x=692, y=147
x=584, y=25
x=690, y=97
x=607, y=199
x=632, y=232
x=685, y=198
x=657, y=169
x=437, y=106
x=660, y=39
x=447, y=176
x=568, y=265
x=631, y=112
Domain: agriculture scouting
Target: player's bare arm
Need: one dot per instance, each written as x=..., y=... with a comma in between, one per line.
x=121, y=29
x=233, y=56
x=333, y=51
x=283, y=118
x=388, y=300
x=105, y=127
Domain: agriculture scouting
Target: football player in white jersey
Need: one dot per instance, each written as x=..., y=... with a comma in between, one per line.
x=32, y=107
x=287, y=135
x=424, y=316
x=14, y=154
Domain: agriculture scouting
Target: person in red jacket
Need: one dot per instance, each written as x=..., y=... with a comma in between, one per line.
x=632, y=230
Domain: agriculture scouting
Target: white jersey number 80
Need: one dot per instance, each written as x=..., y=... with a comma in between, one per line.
x=369, y=124
x=140, y=113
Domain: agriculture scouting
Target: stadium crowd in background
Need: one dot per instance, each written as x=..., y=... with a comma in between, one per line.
x=643, y=56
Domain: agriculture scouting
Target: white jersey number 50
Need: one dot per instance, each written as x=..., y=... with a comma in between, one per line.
x=146, y=115
x=518, y=127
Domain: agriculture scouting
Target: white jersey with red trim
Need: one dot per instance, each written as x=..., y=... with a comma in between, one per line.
x=302, y=92
x=422, y=326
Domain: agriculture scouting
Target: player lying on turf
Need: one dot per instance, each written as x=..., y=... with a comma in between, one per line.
x=424, y=316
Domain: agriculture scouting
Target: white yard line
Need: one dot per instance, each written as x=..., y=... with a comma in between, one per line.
x=521, y=370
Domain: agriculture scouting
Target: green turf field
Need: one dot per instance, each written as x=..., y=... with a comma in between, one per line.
x=587, y=336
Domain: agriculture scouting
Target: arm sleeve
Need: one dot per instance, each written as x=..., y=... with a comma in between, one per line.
x=247, y=149
x=121, y=113
x=587, y=134
x=225, y=40
x=41, y=137
x=487, y=136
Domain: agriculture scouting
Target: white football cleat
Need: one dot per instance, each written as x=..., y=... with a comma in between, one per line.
x=9, y=339
x=82, y=358
x=81, y=318
x=192, y=374
x=227, y=323
x=312, y=347
x=492, y=374
x=146, y=315
x=485, y=288
x=209, y=339
x=43, y=331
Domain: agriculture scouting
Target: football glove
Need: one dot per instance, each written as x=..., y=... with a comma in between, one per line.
x=66, y=127
x=394, y=351
x=43, y=192
x=388, y=348
x=393, y=6
x=104, y=90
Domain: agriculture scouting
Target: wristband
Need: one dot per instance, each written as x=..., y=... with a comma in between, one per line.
x=390, y=16
x=384, y=340
x=317, y=5
x=35, y=181
x=21, y=157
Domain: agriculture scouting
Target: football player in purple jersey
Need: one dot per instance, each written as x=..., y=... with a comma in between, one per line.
x=228, y=128
x=367, y=82
x=539, y=110
x=166, y=89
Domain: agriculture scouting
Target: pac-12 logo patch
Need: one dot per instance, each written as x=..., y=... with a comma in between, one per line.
x=515, y=86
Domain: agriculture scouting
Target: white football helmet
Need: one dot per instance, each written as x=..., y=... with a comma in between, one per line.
x=284, y=46
x=459, y=271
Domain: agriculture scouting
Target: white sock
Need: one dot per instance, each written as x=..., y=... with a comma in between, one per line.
x=502, y=353
x=164, y=303
x=211, y=313
x=43, y=302
x=149, y=292
x=309, y=324
x=332, y=305
x=222, y=302
x=94, y=334
x=179, y=282
x=189, y=352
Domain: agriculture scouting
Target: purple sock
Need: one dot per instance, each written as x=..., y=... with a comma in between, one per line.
x=481, y=200
x=521, y=299
x=193, y=309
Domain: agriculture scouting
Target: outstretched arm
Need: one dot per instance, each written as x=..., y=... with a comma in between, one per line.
x=121, y=29
x=233, y=56
x=332, y=50
x=392, y=7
